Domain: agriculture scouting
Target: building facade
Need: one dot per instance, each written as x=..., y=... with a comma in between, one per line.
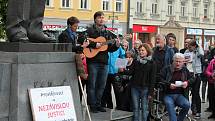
x=57, y=12
x=195, y=18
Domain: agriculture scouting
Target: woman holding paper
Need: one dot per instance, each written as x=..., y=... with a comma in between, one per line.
x=143, y=71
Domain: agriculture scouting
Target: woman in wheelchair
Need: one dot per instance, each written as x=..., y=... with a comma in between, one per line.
x=176, y=77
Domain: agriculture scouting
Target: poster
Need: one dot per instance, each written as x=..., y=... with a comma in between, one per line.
x=52, y=104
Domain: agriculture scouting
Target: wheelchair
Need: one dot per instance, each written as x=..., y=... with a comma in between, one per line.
x=158, y=110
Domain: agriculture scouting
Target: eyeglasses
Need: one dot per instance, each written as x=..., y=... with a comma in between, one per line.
x=179, y=61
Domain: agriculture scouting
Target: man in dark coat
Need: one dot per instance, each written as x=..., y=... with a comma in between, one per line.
x=176, y=78
x=98, y=65
x=162, y=54
x=24, y=21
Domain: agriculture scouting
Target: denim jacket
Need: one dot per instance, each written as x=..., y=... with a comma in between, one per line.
x=198, y=53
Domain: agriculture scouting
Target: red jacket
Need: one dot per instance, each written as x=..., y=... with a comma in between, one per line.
x=85, y=65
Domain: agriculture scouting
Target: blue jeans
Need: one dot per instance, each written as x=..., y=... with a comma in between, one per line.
x=97, y=76
x=173, y=100
x=139, y=97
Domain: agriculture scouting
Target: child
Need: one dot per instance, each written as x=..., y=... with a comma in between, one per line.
x=81, y=67
x=125, y=87
x=143, y=71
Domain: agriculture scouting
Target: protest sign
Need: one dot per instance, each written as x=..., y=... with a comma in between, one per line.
x=52, y=104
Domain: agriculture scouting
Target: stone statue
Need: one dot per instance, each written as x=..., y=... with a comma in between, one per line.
x=24, y=21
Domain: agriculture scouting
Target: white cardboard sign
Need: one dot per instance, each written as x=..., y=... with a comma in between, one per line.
x=52, y=104
x=121, y=63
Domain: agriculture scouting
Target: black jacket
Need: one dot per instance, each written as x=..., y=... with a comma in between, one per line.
x=94, y=32
x=143, y=75
x=167, y=73
x=65, y=38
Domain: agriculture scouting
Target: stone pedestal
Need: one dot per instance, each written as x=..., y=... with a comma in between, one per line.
x=24, y=66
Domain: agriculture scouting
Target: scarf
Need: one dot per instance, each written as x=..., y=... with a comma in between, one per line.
x=72, y=34
x=144, y=60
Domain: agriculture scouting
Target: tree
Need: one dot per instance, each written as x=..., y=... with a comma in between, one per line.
x=3, y=8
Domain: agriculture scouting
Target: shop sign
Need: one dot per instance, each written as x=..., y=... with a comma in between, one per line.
x=112, y=29
x=194, y=31
x=209, y=32
x=53, y=27
x=144, y=29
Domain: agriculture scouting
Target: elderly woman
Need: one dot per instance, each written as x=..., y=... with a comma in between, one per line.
x=134, y=50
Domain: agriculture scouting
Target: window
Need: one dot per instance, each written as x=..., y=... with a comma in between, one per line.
x=214, y=9
x=139, y=7
x=195, y=10
x=206, y=10
x=48, y=3
x=65, y=3
x=106, y=5
x=84, y=4
x=183, y=8
x=155, y=7
x=119, y=5
x=170, y=7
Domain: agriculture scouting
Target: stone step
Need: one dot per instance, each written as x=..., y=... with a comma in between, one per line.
x=110, y=115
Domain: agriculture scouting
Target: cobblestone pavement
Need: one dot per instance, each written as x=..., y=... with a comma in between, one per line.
x=204, y=116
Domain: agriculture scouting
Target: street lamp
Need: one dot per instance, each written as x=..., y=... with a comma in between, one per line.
x=113, y=18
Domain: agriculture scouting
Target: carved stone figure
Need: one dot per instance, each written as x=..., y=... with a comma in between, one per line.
x=24, y=21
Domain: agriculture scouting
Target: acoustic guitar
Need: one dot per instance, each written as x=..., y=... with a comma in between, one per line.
x=92, y=52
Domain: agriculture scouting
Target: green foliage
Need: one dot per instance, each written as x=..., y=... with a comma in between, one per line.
x=3, y=8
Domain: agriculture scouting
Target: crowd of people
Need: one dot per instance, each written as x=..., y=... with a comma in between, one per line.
x=181, y=72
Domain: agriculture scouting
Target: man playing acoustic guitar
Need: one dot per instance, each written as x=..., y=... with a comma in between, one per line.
x=98, y=65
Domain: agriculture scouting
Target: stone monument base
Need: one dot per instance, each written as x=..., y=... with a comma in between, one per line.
x=24, y=66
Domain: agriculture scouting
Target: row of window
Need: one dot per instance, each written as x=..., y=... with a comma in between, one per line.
x=170, y=8
x=85, y=4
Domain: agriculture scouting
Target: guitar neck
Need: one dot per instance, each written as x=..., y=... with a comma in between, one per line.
x=101, y=40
